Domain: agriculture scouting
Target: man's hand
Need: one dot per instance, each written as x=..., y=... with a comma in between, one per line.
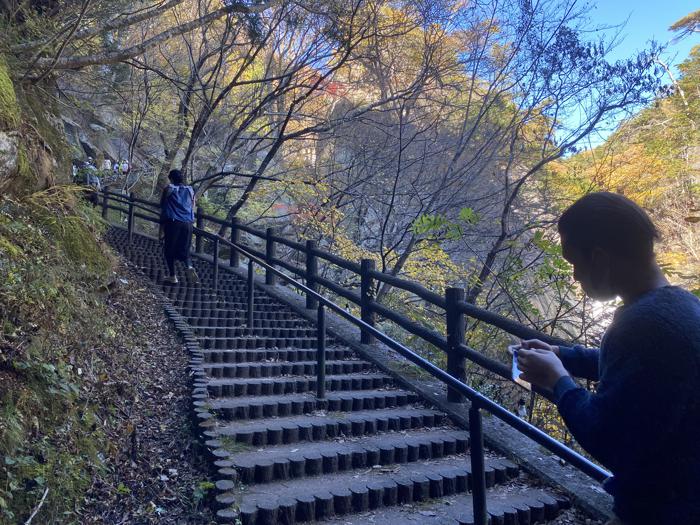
x=532, y=344
x=540, y=367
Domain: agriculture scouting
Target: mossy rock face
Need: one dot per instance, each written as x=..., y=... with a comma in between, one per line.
x=9, y=108
x=34, y=154
x=53, y=271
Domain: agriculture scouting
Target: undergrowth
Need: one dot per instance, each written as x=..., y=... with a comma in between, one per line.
x=53, y=276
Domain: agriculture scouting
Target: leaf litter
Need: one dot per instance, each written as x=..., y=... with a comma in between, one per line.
x=155, y=472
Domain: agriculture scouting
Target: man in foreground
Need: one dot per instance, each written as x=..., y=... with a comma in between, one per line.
x=643, y=422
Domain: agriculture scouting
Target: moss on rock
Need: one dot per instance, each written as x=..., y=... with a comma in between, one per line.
x=10, y=115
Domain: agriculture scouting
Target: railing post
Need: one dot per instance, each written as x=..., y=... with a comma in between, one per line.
x=476, y=453
x=130, y=218
x=122, y=193
x=311, y=272
x=455, y=337
x=199, y=222
x=366, y=298
x=235, y=239
x=105, y=199
x=215, y=262
x=250, y=293
x=321, y=353
x=269, y=255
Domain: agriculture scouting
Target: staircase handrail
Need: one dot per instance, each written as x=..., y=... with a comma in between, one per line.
x=476, y=398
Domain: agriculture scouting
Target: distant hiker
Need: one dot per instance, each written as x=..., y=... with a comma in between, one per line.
x=643, y=420
x=106, y=165
x=124, y=167
x=522, y=409
x=176, y=218
x=91, y=176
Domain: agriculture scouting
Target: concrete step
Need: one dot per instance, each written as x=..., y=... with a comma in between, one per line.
x=258, y=342
x=228, y=300
x=319, y=426
x=276, y=332
x=281, y=368
x=297, y=404
x=224, y=313
x=294, y=384
x=301, y=460
x=243, y=355
x=228, y=322
x=507, y=505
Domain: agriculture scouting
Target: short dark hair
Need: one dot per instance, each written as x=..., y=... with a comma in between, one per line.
x=611, y=222
x=176, y=176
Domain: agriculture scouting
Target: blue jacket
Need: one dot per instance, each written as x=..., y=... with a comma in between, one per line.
x=177, y=203
x=643, y=420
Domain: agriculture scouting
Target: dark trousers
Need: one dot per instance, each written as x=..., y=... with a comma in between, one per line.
x=176, y=245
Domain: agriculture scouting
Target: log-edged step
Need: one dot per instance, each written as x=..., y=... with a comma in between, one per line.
x=294, y=384
x=227, y=313
x=225, y=343
x=182, y=296
x=226, y=322
x=256, y=342
x=276, y=463
x=321, y=497
x=506, y=506
x=213, y=358
x=296, y=404
x=278, y=368
x=240, y=306
x=296, y=429
x=244, y=331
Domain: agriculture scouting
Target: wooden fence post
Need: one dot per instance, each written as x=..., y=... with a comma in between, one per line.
x=105, y=198
x=311, y=273
x=455, y=322
x=235, y=238
x=366, y=298
x=130, y=218
x=215, y=261
x=270, y=254
x=199, y=222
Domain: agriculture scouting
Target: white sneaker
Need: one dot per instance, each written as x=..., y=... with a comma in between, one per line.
x=192, y=275
x=170, y=279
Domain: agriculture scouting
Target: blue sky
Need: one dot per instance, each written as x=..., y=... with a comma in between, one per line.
x=645, y=20
x=638, y=22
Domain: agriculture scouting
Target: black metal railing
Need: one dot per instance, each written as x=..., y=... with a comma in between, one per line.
x=453, y=304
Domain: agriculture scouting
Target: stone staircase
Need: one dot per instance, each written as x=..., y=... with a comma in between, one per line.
x=369, y=452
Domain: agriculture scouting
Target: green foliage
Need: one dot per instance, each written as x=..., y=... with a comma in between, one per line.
x=231, y=445
x=201, y=491
x=9, y=109
x=439, y=226
x=468, y=215
x=51, y=269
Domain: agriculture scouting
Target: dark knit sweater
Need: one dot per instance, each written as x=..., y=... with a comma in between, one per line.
x=643, y=422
